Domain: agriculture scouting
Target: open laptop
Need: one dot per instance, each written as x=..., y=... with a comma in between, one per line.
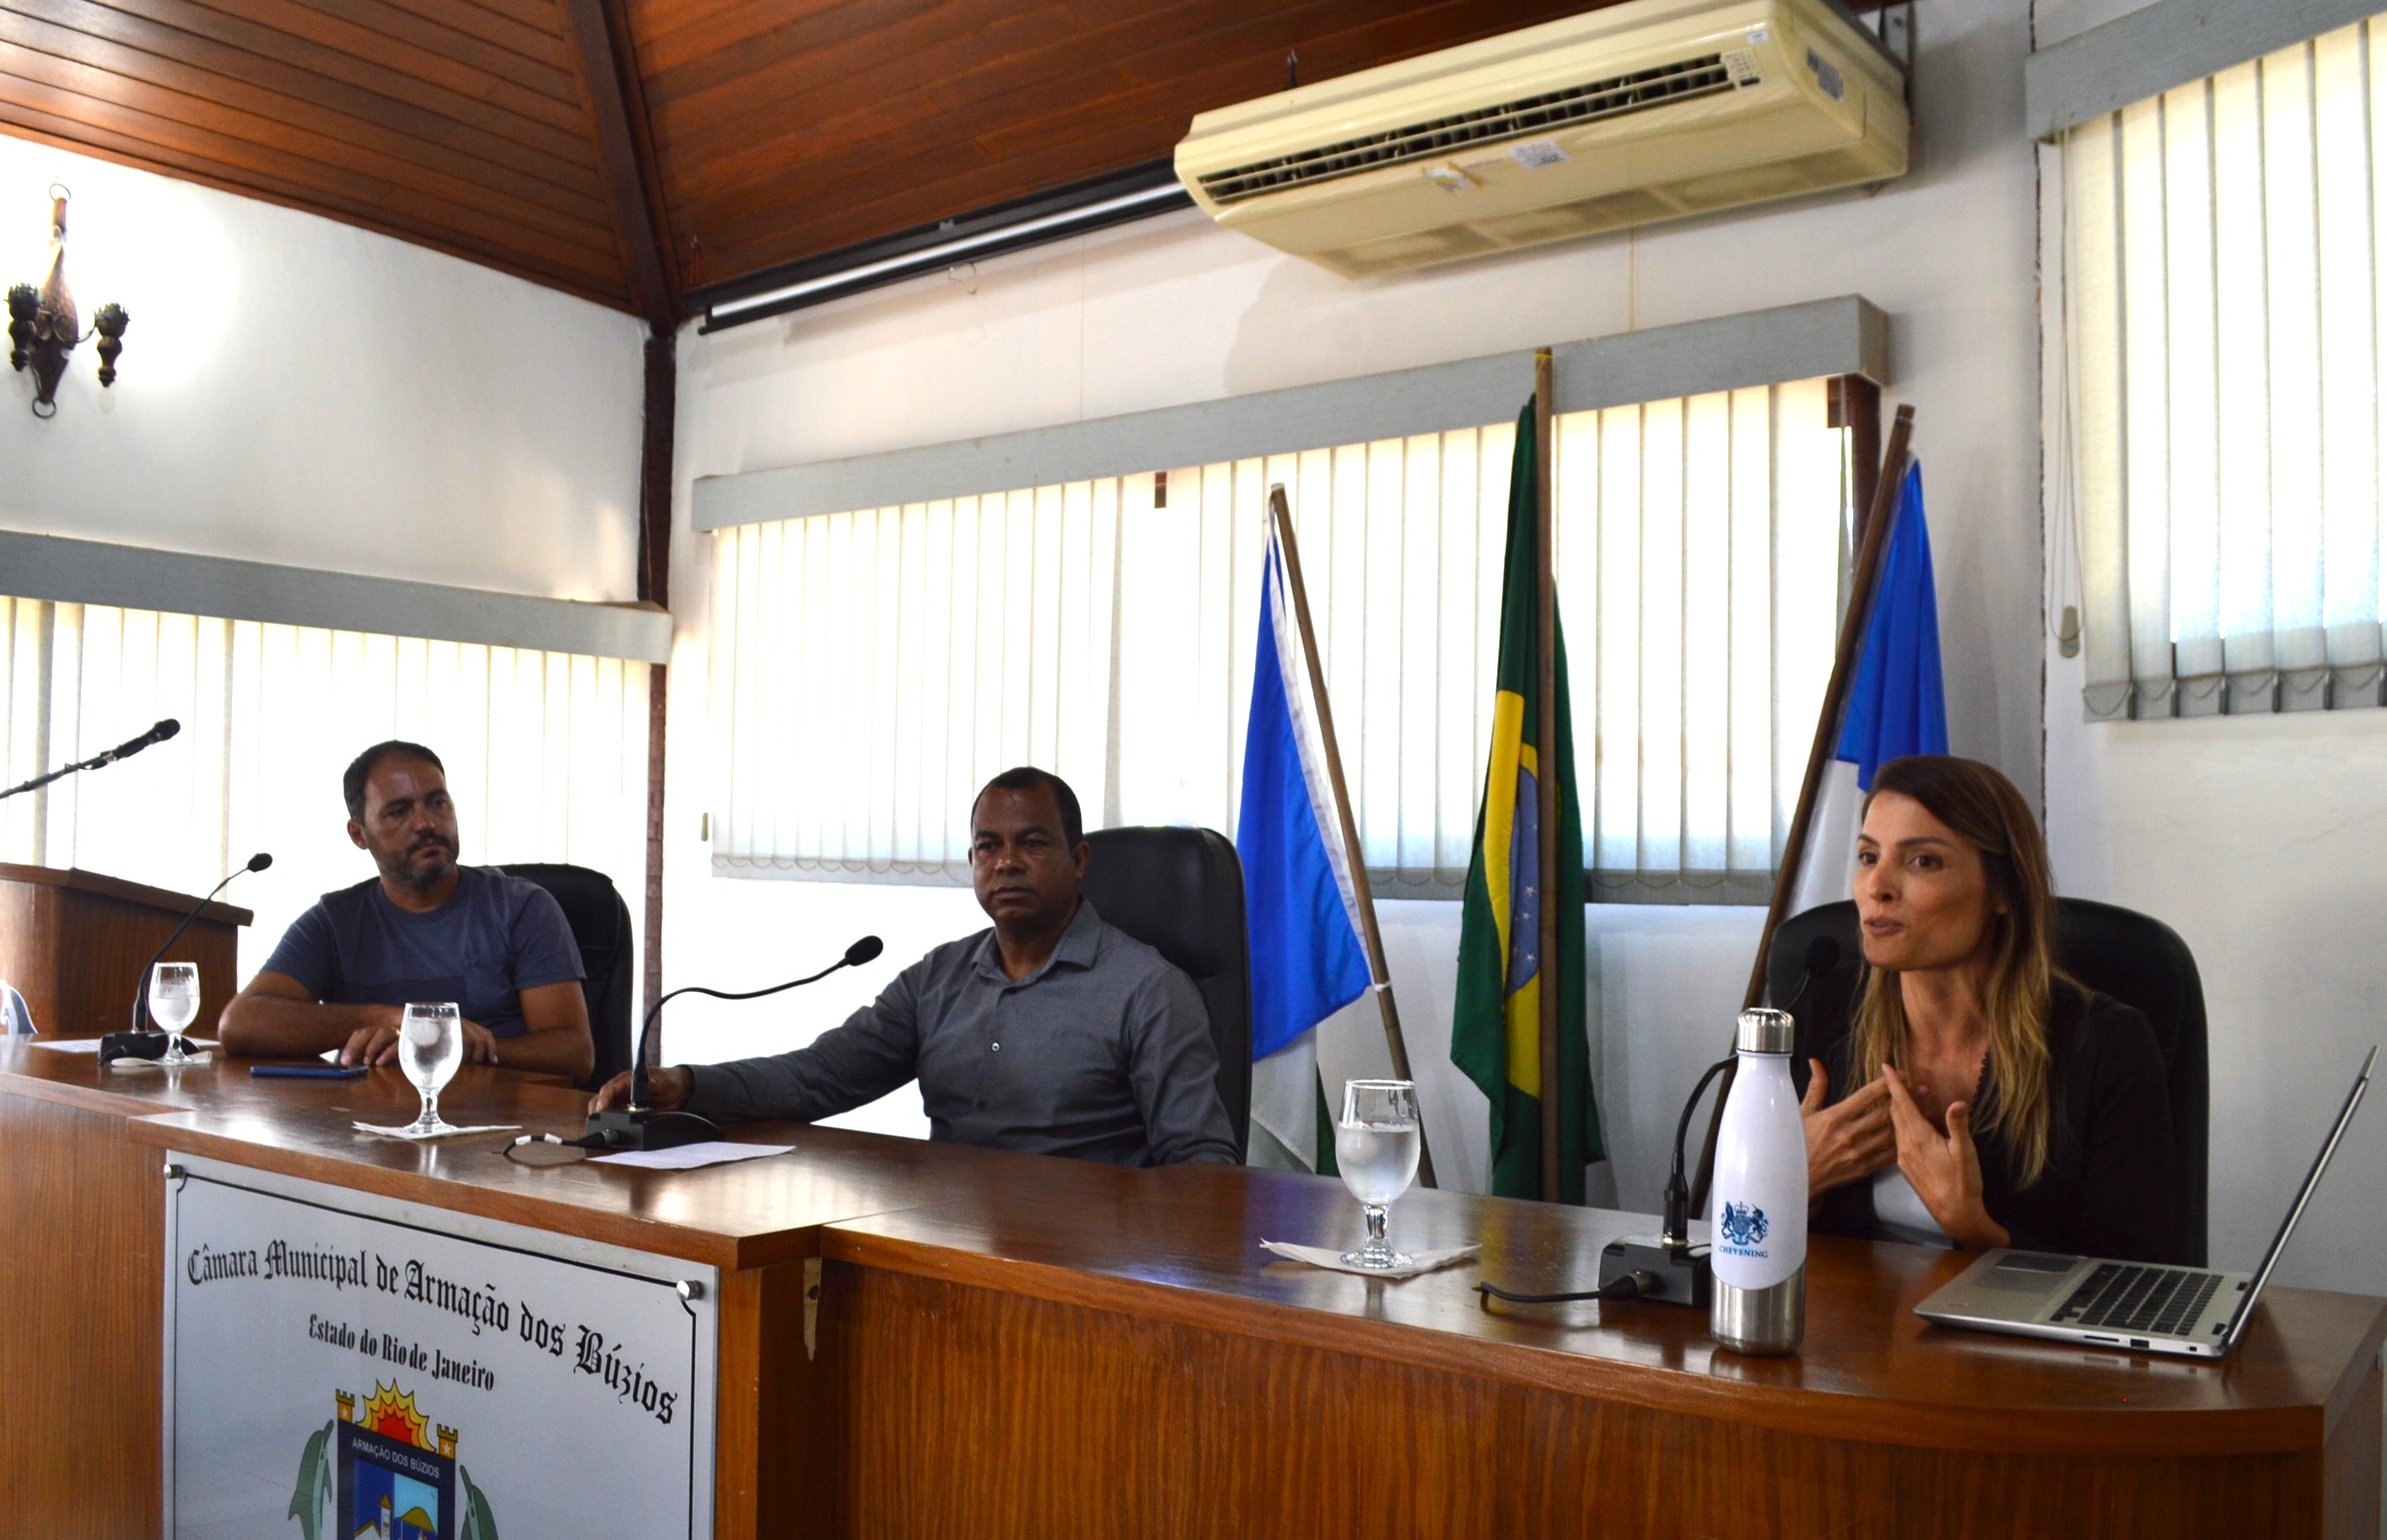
x=2131, y=1304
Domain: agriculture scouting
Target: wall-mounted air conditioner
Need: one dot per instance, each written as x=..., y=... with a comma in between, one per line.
x=1643, y=111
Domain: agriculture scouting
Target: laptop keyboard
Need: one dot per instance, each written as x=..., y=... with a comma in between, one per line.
x=2124, y=1298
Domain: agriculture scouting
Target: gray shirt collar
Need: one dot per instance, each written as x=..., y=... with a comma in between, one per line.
x=1077, y=948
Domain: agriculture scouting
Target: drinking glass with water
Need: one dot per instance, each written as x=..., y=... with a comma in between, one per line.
x=430, y=1046
x=173, y=1006
x=1376, y=1146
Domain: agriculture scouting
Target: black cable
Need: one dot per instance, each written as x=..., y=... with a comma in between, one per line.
x=585, y=1143
x=1631, y=1285
x=1676, y=1227
x=1823, y=956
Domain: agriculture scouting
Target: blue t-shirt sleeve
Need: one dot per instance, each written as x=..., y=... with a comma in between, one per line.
x=544, y=951
x=309, y=953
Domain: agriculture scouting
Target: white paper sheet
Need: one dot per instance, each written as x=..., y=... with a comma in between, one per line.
x=687, y=1157
x=402, y=1131
x=1331, y=1257
x=196, y=1046
x=161, y=1066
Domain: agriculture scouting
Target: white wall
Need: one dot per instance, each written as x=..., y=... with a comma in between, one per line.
x=1174, y=310
x=2263, y=841
x=298, y=391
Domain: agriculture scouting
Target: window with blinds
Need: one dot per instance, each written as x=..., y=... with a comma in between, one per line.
x=546, y=751
x=2223, y=334
x=872, y=669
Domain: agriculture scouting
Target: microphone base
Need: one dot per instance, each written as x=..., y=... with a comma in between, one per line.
x=1683, y=1277
x=132, y=1045
x=649, y=1130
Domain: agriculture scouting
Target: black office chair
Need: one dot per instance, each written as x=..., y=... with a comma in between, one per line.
x=2138, y=960
x=1180, y=892
x=601, y=925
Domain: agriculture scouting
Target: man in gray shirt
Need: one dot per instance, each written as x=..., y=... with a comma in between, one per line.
x=425, y=929
x=1051, y=1033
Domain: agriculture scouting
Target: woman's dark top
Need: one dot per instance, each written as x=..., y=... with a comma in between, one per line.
x=2108, y=1188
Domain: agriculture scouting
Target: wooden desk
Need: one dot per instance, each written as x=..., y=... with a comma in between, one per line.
x=1088, y=1369
x=1011, y=1344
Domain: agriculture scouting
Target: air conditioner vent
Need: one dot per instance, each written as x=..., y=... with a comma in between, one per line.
x=1612, y=98
x=1629, y=113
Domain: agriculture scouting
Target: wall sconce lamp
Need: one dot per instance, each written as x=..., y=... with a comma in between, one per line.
x=43, y=327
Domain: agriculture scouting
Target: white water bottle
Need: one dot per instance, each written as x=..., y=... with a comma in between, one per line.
x=1759, y=1222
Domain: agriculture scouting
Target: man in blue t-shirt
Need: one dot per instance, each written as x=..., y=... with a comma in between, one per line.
x=427, y=929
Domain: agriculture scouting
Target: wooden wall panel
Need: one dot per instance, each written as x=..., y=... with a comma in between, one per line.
x=453, y=123
x=765, y=131
x=2351, y=1464
x=786, y=131
x=772, y=1444
x=82, y=1236
x=140, y=50
x=972, y=1412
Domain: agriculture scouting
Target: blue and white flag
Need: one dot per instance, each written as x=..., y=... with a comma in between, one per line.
x=1307, y=958
x=1896, y=704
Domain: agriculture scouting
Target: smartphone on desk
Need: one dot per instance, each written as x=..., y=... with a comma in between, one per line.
x=307, y=1071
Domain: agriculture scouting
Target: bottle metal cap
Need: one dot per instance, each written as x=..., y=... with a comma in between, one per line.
x=1767, y=1031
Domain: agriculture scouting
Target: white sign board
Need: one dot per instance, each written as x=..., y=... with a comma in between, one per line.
x=340, y=1365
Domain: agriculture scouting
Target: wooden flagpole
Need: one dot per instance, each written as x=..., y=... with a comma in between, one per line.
x=1872, y=545
x=1379, y=975
x=1871, y=548
x=1545, y=776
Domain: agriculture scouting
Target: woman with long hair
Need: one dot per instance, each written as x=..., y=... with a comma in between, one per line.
x=1963, y=1088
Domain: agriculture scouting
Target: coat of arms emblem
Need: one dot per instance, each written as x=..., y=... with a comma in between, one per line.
x=389, y=1473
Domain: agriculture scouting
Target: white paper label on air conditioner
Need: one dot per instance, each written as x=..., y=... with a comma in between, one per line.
x=1534, y=154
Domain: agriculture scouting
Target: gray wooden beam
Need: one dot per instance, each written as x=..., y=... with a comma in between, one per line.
x=89, y=572
x=2166, y=44
x=1846, y=335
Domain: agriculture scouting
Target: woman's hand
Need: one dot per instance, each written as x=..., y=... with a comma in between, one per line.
x=1944, y=1169
x=1848, y=1142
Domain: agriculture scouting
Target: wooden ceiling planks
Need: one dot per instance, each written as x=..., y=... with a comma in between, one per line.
x=628, y=149
x=459, y=124
x=785, y=130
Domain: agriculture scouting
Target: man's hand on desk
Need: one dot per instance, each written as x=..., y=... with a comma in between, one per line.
x=378, y=1045
x=666, y=1089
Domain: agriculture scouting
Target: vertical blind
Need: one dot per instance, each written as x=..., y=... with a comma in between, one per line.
x=872, y=669
x=545, y=751
x=2223, y=331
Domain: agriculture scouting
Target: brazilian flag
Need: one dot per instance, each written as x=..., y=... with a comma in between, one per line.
x=1495, y=1034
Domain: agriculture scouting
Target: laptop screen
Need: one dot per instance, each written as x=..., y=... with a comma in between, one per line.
x=2303, y=1196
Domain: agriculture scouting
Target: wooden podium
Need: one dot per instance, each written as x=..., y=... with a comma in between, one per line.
x=72, y=943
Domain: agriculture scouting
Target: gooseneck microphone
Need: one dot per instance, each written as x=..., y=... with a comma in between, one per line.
x=158, y=733
x=1667, y=1266
x=641, y=1126
x=143, y=1043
